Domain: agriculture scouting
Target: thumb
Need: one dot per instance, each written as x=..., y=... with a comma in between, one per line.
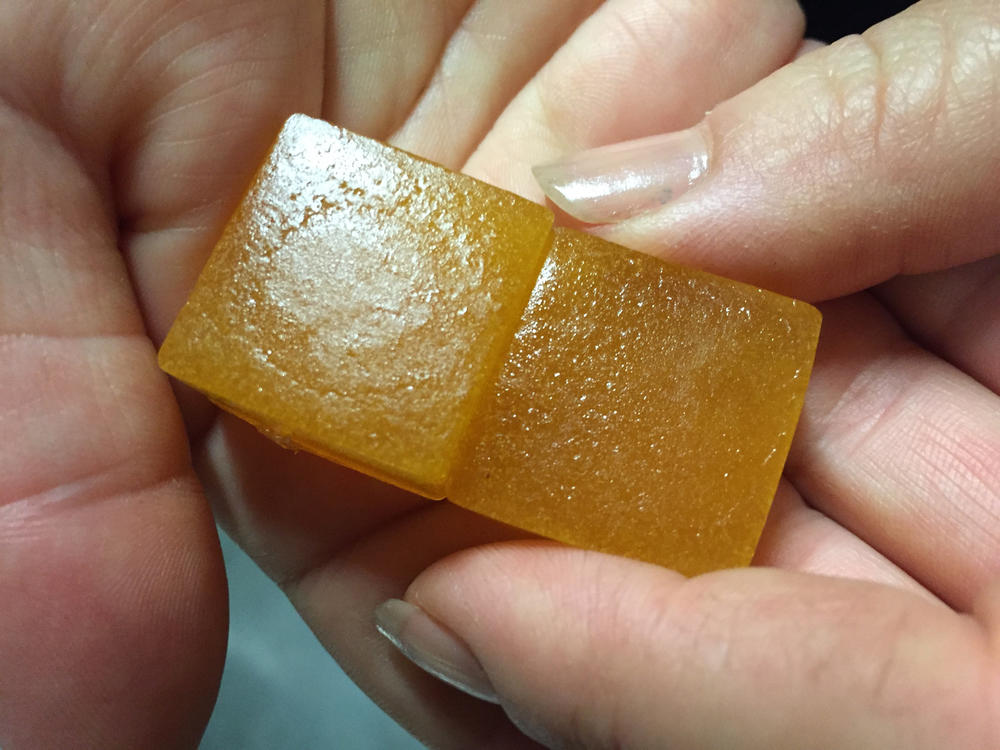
x=872, y=157
x=588, y=650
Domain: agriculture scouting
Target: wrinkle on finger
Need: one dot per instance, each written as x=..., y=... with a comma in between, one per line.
x=903, y=450
x=800, y=538
x=953, y=313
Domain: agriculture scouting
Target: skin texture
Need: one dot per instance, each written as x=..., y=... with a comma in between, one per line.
x=127, y=133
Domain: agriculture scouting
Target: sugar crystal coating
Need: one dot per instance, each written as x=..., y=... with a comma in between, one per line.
x=643, y=409
x=359, y=302
x=423, y=327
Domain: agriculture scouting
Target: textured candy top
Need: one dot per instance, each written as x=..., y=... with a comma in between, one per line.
x=643, y=409
x=359, y=302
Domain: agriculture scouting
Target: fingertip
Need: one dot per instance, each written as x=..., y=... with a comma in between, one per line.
x=613, y=183
x=433, y=647
x=591, y=650
x=853, y=163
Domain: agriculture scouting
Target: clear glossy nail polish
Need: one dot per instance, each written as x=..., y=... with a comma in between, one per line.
x=433, y=648
x=616, y=182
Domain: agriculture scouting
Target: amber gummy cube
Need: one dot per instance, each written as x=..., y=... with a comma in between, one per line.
x=359, y=302
x=643, y=409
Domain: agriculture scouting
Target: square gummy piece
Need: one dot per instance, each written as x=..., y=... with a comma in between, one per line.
x=359, y=301
x=643, y=409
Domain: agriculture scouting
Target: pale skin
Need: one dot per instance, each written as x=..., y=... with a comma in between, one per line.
x=127, y=132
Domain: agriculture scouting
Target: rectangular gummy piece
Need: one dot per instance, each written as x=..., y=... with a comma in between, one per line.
x=643, y=409
x=359, y=302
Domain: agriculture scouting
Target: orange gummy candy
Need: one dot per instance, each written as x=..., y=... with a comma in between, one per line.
x=643, y=409
x=423, y=327
x=359, y=302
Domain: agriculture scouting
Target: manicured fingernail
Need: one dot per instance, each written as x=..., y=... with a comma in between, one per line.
x=433, y=648
x=616, y=182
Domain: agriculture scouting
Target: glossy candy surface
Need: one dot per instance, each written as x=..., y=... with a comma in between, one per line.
x=644, y=409
x=359, y=302
x=422, y=327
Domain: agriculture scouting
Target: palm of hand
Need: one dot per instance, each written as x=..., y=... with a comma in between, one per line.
x=139, y=135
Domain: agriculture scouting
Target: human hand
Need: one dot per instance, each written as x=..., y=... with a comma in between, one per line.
x=866, y=174
x=139, y=124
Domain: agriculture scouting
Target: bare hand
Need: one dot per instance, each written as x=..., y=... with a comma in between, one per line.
x=866, y=174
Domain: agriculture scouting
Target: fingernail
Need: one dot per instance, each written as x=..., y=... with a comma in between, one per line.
x=433, y=648
x=616, y=182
